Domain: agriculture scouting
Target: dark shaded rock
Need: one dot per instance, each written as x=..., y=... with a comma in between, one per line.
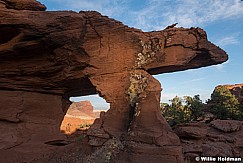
x=227, y=125
x=217, y=149
x=192, y=148
x=23, y=5
x=32, y=119
x=197, y=131
x=216, y=142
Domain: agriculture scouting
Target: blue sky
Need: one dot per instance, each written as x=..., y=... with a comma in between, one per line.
x=222, y=20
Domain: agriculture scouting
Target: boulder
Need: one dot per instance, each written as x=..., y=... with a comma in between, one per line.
x=196, y=131
x=227, y=125
x=217, y=149
x=224, y=142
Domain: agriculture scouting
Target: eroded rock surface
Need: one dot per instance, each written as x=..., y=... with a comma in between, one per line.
x=237, y=90
x=227, y=125
x=55, y=55
x=219, y=138
x=23, y=5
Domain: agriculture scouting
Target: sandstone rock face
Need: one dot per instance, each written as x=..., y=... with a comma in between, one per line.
x=55, y=55
x=236, y=90
x=23, y=5
x=197, y=131
x=82, y=106
x=227, y=125
x=219, y=138
x=79, y=114
x=27, y=121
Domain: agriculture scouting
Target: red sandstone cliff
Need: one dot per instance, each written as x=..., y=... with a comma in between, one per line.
x=237, y=90
x=82, y=106
x=79, y=116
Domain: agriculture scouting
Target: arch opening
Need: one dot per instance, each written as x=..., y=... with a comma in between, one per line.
x=82, y=113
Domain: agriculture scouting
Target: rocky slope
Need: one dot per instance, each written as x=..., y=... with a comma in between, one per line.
x=48, y=56
x=219, y=138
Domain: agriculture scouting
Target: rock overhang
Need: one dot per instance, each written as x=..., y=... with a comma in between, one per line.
x=177, y=48
x=185, y=49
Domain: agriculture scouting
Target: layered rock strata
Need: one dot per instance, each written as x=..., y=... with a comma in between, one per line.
x=219, y=138
x=47, y=57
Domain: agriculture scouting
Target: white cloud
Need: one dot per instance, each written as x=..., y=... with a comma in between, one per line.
x=228, y=40
x=157, y=14
x=112, y=8
x=200, y=13
x=165, y=97
x=192, y=81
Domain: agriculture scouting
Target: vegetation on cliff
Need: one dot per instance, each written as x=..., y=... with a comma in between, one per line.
x=222, y=105
x=225, y=105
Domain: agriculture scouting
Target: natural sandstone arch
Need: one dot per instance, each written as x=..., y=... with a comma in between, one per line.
x=82, y=112
x=51, y=56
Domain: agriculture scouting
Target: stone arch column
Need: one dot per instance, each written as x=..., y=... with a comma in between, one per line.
x=134, y=120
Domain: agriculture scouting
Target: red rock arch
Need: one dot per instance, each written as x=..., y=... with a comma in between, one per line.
x=55, y=55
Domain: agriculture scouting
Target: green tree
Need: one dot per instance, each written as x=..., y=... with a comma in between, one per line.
x=194, y=106
x=224, y=105
x=175, y=112
x=164, y=108
x=182, y=110
x=177, y=108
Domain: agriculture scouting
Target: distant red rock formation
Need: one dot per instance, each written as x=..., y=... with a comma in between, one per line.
x=235, y=89
x=79, y=113
x=83, y=106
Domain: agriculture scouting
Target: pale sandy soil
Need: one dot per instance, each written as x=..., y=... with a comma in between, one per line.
x=74, y=120
x=71, y=124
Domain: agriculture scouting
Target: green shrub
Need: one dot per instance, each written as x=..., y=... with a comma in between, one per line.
x=224, y=105
x=84, y=125
x=182, y=110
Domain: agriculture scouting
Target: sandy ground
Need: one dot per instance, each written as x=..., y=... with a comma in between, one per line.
x=71, y=124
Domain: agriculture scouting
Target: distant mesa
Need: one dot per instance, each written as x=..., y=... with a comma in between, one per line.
x=80, y=115
x=82, y=107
